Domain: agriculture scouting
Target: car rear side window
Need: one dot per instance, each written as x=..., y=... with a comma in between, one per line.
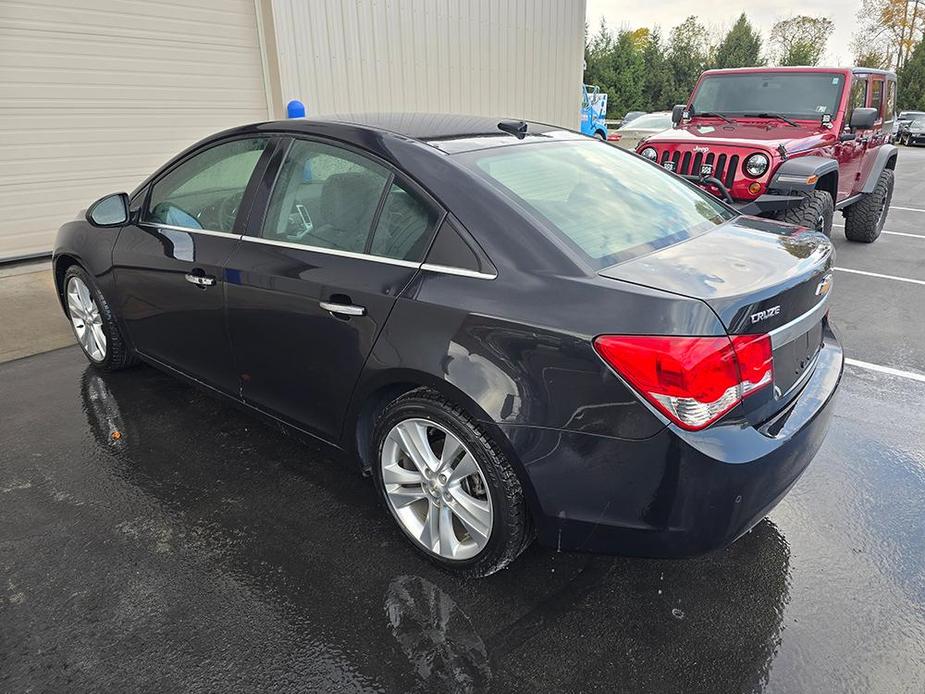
x=325, y=197
x=606, y=203
x=205, y=191
x=405, y=226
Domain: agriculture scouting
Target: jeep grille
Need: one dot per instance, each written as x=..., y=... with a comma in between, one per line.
x=687, y=164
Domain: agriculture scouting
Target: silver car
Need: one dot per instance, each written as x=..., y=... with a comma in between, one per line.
x=650, y=124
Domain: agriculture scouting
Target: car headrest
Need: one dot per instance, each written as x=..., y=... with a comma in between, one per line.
x=348, y=200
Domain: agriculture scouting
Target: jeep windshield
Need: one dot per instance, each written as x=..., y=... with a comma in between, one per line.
x=796, y=95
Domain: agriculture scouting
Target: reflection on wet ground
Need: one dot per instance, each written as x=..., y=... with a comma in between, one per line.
x=151, y=535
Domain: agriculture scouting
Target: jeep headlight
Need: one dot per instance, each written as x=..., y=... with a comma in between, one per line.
x=756, y=165
x=649, y=153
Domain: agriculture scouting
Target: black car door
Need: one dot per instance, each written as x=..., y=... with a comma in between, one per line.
x=316, y=275
x=168, y=263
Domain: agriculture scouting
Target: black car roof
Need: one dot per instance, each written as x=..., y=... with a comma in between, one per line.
x=445, y=131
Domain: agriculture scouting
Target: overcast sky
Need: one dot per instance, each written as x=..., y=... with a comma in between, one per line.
x=721, y=15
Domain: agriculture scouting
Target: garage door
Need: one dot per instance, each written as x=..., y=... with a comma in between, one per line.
x=95, y=94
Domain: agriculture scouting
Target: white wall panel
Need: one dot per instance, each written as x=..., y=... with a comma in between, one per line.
x=509, y=58
x=96, y=94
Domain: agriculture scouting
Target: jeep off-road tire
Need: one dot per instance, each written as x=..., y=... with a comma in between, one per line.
x=511, y=528
x=815, y=212
x=93, y=322
x=864, y=219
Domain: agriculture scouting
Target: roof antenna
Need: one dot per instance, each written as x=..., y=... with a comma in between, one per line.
x=517, y=128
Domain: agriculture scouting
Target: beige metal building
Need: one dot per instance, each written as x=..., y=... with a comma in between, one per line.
x=95, y=94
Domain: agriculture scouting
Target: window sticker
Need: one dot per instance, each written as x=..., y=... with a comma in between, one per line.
x=706, y=128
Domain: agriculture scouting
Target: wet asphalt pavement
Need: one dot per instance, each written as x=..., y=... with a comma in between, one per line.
x=153, y=538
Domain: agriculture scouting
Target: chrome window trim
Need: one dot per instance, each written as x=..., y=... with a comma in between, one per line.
x=461, y=272
x=333, y=251
x=799, y=325
x=443, y=269
x=207, y=232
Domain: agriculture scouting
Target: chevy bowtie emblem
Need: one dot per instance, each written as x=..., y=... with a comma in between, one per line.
x=824, y=286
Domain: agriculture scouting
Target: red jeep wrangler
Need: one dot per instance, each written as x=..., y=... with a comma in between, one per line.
x=792, y=143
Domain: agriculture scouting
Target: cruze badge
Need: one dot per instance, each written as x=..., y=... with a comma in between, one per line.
x=824, y=286
x=669, y=165
x=764, y=315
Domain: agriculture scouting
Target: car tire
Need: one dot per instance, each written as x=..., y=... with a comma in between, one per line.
x=91, y=319
x=600, y=136
x=510, y=530
x=815, y=212
x=864, y=219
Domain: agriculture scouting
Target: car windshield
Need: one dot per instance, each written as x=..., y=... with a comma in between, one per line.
x=918, y=123
x=808, y=95
x=607, y=204
x=652, y=121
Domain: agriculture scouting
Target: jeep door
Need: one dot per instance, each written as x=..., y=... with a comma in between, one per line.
x=850, y=154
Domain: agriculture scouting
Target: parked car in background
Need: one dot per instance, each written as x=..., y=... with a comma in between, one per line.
x=791, y=143
x=912, y=132
x=629, y=135
x=517, y=330
x=905, y=117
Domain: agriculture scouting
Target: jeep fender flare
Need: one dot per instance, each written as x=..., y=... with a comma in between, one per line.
x=792, y=174
x=884, y=154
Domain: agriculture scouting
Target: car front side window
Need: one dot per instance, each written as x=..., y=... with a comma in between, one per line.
x=325, y=197
x=205, y=191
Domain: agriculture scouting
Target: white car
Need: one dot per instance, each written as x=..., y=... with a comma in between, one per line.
x=650, y=124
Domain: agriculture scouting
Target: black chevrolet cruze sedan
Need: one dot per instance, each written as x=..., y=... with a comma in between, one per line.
x=517, y=330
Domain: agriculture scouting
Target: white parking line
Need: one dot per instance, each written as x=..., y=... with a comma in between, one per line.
x=891, y=233
x=912, y=375
x=885, y=277
x=907, y=209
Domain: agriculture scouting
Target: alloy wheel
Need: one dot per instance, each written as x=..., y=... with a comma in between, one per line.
x=86, y=319
x=436, y=489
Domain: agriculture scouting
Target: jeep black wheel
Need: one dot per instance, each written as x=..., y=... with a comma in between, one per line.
x=815, y=212
x=864, y=219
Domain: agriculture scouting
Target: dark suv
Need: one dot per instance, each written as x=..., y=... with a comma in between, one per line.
x=792, y=143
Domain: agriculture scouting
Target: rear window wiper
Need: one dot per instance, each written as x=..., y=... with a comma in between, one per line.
x=772, y=115
x=713, y=114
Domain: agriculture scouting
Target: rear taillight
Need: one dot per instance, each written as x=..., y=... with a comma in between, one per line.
x=692, y=380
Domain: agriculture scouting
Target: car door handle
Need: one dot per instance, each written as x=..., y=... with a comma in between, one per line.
x=200, y=280
x=343, y=309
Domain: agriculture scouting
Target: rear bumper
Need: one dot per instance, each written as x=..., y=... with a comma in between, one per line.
x=677, y=493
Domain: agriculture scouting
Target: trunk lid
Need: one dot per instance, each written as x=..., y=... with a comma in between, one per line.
x=758, y=276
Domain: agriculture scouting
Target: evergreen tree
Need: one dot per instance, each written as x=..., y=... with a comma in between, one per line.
x=911, y=80
x=689, y=48
x=657, y=85
x=741, y=47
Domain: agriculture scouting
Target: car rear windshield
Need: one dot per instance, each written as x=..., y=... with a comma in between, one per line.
x=807, y=95
x=608, y=204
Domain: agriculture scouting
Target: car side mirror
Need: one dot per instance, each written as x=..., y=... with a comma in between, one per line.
x=109, y=211
x=863, y=118
x=677, y=113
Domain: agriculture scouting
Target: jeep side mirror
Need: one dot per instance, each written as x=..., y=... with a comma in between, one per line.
x=109, y=211
x=863, y=118
x=677, y=113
